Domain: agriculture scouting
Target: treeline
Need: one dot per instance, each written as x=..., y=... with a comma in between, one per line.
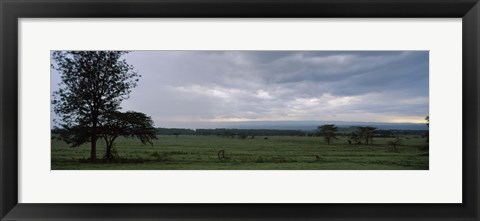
x=243, y=133
x=250, y=132
x=225, y=132
x=175, y=131
x=271, y=132
x=381, y=132
x=396, y=133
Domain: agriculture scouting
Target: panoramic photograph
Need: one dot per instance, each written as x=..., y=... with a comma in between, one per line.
x=239, y=110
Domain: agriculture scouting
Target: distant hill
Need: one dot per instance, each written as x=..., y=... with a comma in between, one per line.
x=295, y=125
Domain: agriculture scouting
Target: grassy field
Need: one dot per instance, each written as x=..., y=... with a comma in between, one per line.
x=274, y=153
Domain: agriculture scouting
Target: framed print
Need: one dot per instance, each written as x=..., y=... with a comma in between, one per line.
x=319, y=110
x=246, y=120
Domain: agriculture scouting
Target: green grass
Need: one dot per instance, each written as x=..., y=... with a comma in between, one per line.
x=274, y=153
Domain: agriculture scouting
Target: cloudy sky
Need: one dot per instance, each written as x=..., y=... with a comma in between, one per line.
x=178, y=87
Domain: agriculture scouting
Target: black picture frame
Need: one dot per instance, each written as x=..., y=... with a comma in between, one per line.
x=12, y=10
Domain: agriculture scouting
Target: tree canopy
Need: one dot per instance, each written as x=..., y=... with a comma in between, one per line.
x=128, y=124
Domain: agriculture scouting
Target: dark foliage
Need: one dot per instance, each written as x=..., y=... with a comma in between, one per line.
x=128, y=124
x=363, y=135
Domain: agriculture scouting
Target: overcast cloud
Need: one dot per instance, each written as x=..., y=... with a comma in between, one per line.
x=206, y=86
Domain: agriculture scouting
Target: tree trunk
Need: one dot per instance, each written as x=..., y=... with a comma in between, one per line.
x=93, y=151
x=108, y=154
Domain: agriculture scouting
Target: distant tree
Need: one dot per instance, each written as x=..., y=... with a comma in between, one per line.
x=355, y=137
x=128, y=124
x=93, y=83
x=328, y=131
x=363, y=135
x=242, y=136
x=366, y=134
x=393, y=144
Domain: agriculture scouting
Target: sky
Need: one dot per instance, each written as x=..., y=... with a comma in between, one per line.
x=200, y=87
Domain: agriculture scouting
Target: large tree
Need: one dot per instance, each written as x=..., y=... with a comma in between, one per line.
x=93, y=83
x=128, y=124
x=328, y=131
